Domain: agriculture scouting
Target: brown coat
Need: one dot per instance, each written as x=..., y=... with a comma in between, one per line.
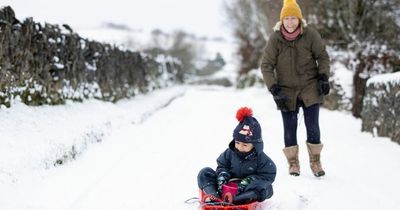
x=295, y=65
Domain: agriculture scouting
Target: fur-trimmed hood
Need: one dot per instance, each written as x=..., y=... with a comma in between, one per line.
x=278, y=25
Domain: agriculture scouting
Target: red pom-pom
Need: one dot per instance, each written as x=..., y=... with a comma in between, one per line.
x=243, y=112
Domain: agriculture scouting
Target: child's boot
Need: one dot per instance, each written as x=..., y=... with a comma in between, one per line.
x=211, y=193
x=292, y=155
x=246, y=197
x=314, y=151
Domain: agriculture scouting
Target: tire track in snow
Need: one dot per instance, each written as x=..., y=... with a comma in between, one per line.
x=150, y=113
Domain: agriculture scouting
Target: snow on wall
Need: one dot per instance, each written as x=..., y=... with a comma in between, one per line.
x=381, y=106
x=393, y=78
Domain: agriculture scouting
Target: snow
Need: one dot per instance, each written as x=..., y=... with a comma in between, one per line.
x=344, y=77
x=173, y=133
x=393, y=78
x=35, y=137
x=113, y=155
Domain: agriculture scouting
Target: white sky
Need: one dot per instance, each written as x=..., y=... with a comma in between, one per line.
x=202, y=17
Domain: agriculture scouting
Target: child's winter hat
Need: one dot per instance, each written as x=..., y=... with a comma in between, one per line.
x=248, y=130
x=291, y=8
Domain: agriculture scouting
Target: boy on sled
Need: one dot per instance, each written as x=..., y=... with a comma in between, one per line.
x=243, y=161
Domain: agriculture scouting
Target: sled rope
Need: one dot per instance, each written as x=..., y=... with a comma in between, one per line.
x=192, y=200
x=221, y=203
x=211, y=203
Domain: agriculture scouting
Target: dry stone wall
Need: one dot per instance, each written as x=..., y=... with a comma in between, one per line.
x=49, y=64
x=381, y=107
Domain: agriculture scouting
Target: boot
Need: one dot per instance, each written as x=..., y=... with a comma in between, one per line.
x=292, y=155
x=211, y=193
x=246, y=197
x=314, y=151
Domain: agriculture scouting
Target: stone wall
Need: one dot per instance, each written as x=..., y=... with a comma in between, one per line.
x=381, y=107
x=48, y=64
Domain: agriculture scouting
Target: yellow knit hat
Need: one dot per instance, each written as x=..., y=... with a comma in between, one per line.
x=291, y=8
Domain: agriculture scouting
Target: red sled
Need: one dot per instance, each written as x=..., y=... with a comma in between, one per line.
x=250, y=206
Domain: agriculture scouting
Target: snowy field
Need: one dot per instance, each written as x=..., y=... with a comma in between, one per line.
x=126, y=147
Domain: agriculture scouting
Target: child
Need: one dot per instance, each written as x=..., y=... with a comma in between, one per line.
x=244, y=159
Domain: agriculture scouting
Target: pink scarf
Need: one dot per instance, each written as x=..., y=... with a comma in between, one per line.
x=290, y=36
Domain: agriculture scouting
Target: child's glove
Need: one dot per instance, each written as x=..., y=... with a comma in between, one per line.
x=244, y=183
x=222, y=179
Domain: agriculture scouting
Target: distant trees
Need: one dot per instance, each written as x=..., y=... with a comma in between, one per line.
x=248, y=30
x=187, y=49
x=178, y=44
x=356, y=22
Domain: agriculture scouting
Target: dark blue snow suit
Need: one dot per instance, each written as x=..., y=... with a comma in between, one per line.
x=256, y=164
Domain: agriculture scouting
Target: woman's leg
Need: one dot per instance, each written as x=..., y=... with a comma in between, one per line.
x=311, y=119
x=290, y=127
x=291, y=149
x=314, y=146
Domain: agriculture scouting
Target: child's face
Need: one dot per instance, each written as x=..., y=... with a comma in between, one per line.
x=243, y=147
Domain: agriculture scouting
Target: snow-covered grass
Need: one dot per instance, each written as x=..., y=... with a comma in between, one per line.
x=35, y=138
x=163, y=135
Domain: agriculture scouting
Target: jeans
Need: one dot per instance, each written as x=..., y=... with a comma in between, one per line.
x=311, y=116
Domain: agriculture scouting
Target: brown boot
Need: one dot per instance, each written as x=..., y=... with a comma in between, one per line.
x=292, y=155
x=314, y=151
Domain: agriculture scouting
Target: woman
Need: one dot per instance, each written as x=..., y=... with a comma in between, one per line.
x=295, y=67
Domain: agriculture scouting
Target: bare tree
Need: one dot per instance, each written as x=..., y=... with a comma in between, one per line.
x=251, y=22
x=355, y=22
x=247, y=30
x=179, y=44
x=184, y=48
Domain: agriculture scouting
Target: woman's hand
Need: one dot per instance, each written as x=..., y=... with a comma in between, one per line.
x=279, y=97
x=323, y=84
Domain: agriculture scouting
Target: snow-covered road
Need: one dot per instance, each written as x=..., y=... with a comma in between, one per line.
x=150, y=160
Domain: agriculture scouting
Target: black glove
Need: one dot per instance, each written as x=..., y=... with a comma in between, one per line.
x=323, y=84
x=222, y=179
x=244, y=183
x=279, y=97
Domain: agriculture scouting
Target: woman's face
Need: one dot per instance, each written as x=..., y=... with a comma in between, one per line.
x=291, y=23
